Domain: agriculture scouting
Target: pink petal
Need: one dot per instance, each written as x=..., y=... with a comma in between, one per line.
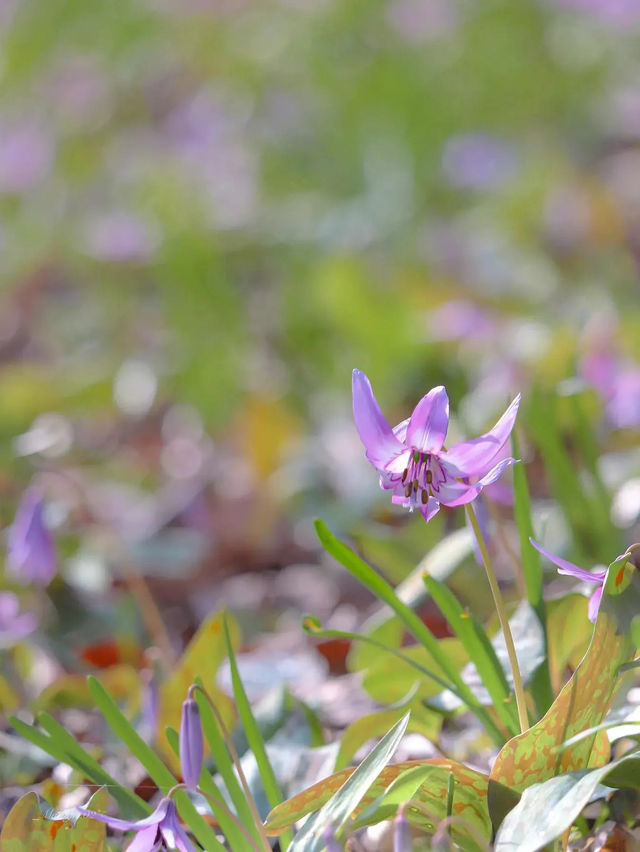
x=146, y=841
x=429, y=422
x=594, y=603
x=454, y=493
x=380, y=443
x=131, y=825
x=568, y=568
x=431, y=508
x=473, y=458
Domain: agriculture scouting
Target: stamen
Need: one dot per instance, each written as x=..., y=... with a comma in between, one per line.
x=404, y=474
x=429, y=477
x=425, y=496
x=407, y=490
x=415, y=486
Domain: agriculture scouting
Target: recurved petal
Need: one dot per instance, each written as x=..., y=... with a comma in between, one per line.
x=454, y=493
x=429, y=422
x=474, y=458
x=431, y=508
x=380, y=443
x=594, y=603
x=568, y=568
x=146, y=841
x=132, y=825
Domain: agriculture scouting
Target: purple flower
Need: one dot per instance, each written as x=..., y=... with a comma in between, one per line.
x=14, y=625
x=31, y=553
x=191, y=747
x=565, y=567
x=411, y=457
x=478, y=161
x=160, y=830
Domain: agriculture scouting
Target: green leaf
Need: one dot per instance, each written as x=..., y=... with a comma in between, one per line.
x=223, y=762
x=385, y=593
x=67, y=749
x=470, y=799
x=476, y=642
x=252, y=732
x=553, y=805
x=341, y=805
x=534, y=756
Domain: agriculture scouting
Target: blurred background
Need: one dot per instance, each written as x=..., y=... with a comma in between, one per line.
x=212, y=210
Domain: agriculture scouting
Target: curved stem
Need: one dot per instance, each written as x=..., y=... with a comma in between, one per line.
x=504, y=621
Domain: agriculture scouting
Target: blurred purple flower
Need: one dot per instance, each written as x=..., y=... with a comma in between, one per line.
x=120, y=238
x=191, y=745
x=422, y=20
x=478, y=161
x=568, y=568
x=618, y=383
x=460, y=319
x=31, y=552
x=615, y=13
x=14, y=625
x=160, y=830
x=26, y=156
x=411, y=459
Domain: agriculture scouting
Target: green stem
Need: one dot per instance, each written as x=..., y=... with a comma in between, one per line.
x=521, y=702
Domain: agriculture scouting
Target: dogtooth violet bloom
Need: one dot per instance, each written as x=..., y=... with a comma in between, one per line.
x=568, y=568
x=31, y=553
x=191, y=745
x=411, y=458
x=160, y=830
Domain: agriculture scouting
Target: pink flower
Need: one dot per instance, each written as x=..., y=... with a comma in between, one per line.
x=566, y=567
x=160, y=830
x=411, y=457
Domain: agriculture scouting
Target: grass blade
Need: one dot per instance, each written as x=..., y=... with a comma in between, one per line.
x=254, y=737
x=482, y=653
x=60, y=749
x=385, y=593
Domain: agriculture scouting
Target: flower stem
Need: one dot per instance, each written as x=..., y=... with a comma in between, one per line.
x=521, y=702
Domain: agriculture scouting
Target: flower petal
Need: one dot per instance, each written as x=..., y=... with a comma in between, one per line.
x=132, y=825
x=454, y=493
x=431, y=508
x=429, y=422
x=568, y=568
x=380, y=443
x=594, y=603
x=146, y=841
x=474, y=458
x=174, y=835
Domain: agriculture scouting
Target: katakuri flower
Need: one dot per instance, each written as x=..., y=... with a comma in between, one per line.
x=568, y=568
x=31, y=552
x=191, y=745
x=160, y=830
x=411, y=458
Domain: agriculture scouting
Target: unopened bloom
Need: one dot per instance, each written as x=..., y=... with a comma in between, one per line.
x=566, y=567
x=160, y=830
x=31, y=552
x=411, y=457
x=191, y=746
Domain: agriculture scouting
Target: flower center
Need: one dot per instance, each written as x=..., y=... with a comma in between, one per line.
x=423, y=475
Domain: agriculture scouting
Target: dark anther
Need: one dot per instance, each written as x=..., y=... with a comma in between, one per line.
x=425, y=496
x=415, y=486
x=404, y=474
x=407, y=490
x=429, y=477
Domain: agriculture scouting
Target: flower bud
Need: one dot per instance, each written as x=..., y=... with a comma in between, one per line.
x=401, y=833
x=31, y=554
x=191, y=747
